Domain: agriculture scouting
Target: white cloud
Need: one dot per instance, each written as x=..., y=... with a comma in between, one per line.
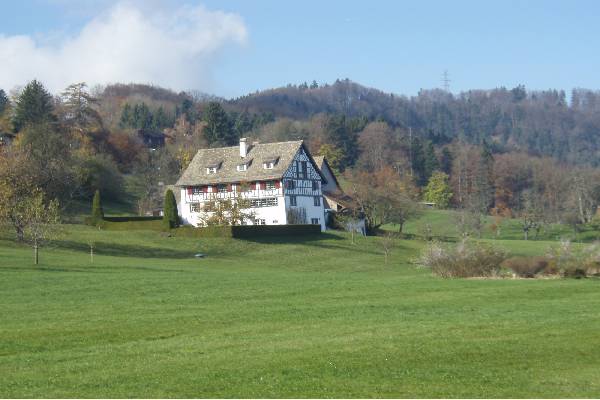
x=175, y=48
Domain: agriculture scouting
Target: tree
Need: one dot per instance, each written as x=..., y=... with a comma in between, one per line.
x=218, y=129
x=4, y=102
x=97, y=210
x=379, y=195
x=170, y=215
x=40, y=221
x=78, y=109
x=340, y=136
x=431, y=163
x=226, y=211
x=446, y=161
x=17, y=183
x=33, y=106
x=333, y=155
x=438, y=190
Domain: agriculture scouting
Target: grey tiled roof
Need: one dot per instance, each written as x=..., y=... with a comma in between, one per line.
x=228, y=158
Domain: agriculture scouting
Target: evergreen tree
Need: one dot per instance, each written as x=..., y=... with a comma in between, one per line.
x=446, y=160
x=218, y=128
x=314, y=85
x=34, y=106
x=342, y=138
x=417, y=157
x=483, y=196
x=3, y=101
x=431, y=162
x=243, y=123
x=97, y=211
x=126, y=116
x=170, y=215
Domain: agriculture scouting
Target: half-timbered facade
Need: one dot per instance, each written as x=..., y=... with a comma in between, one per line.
x=279, y=184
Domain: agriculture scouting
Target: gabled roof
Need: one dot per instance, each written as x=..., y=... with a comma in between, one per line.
x=321, y=162
x=228, y=158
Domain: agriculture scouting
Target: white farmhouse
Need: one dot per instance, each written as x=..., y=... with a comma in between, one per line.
x=281, y=181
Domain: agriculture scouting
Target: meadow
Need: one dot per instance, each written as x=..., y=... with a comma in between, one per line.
x=313, y=317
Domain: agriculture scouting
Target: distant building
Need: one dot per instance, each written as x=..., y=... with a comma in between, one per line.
x=281, y=181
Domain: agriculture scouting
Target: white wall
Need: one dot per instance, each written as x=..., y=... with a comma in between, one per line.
x=312, y=211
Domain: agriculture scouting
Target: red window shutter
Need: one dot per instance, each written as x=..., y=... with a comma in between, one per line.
x=263, y=185
x=204, y=189
x=277, y=184
x=189, y=191
x=229, y=189
x=252, y=185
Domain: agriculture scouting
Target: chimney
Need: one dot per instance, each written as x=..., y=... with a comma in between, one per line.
x=243, y=147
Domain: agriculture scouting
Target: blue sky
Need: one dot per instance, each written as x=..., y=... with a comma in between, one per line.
x=396, y=46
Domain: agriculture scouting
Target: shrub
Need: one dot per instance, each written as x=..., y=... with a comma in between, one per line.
x=170, y=215
x=97, y=212
x=526, y=267
x=574, y=263
x=463, y=260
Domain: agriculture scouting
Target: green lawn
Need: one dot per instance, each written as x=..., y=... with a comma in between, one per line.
x=315, y=318
x=443, y=223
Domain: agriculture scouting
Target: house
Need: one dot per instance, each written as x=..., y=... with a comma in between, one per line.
x=281, y=182
x=334, y=198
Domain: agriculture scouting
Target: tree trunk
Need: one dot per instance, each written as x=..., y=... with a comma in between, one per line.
x=35, y=254
x=91, y=254
x=526, y=233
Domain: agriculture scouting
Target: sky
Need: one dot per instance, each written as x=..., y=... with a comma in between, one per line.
x=233, y=47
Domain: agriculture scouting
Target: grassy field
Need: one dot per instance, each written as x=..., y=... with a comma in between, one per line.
x=443, y=223
x=319, y=317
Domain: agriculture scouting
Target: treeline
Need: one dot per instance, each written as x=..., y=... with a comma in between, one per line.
x=538, y=122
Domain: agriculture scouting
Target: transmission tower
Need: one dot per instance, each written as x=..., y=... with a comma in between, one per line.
x=446, y=81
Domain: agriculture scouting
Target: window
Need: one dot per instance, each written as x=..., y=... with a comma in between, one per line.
x=211, y=170
x=315, y=185
x=195, y=207
x=293, y=202
x=196, y=190
x=315, y=221
x=268, y=202
x=242, y=167
x=290, y=184
x=275, y=221
x=261, y=222
x=317, y=201
x=222, y=188
x=268, y=165
x=270, y=185
x=301, y=169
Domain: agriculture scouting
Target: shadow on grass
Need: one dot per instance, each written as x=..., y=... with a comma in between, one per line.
x=91, y=269
x=123, y=250
x=285, y=239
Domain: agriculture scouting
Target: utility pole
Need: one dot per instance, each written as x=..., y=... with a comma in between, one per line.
x=446, y=81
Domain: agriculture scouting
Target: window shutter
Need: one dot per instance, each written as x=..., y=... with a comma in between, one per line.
x=277, y=184
x=229, y=188
x=204, y=189
x=189, y=191
x=263, y=185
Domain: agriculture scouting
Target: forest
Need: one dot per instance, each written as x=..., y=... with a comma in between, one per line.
x=533, y=155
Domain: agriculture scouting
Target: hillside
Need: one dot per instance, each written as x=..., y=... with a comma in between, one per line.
x=538, y=122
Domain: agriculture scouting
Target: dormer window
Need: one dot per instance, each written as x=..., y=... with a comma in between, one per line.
x=242, y=167
x=212, y=168
x=269, y=162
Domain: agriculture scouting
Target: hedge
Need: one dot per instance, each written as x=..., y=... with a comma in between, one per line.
x=247, y=231
x=140, y=225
